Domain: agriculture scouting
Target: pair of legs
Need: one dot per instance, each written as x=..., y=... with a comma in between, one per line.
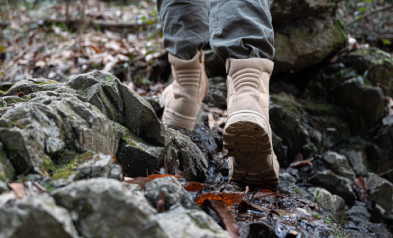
x=240, y=32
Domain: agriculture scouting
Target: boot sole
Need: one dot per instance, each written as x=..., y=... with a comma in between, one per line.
x=247, y=139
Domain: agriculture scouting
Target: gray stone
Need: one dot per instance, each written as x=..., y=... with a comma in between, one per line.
x=36, y=216
x=338, y=164
x=181, y=222
x=31, y=86
x=192, y=161
x=174, y=193
x=283, y=11
x=333, y=203
x=108, y=208
x=338, y=185
x=99, y=166
x=7, y=172
x=307, y=41
x=358, y=224
x=376, y=65
x=381, y=192
x=356, y=155
x=137, y=157
x=59, y=122
x=365, y=100
x=3, y=187
x=140, y=118
x=217, y=94
x=121, y=105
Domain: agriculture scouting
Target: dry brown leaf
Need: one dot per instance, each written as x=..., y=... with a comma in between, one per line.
x=229, y=198
x=19, y=189
x=302, y=163
x=263, y=193
x=361, y=183
x=193, y=186
x=225, y=216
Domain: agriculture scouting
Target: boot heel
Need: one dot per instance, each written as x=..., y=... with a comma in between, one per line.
x=247, y=139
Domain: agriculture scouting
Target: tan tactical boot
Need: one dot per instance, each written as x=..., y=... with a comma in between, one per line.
x=183, y=98
x=247, y=135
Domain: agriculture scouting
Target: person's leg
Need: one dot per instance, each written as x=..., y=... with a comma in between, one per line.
x=185, y=26
x=241, y=29
x=242, y=34
x=186, y=32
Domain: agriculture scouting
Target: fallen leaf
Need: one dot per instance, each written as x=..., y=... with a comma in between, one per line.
x=193, y=186
x=19, y=189
x=361, y=183
x=225, y=216
x=138, y=180
x=229, y=198
x=154, y=176
x=302, y=163
x=263, y=193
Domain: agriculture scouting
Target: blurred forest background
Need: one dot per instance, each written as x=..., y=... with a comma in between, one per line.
x=58, y=39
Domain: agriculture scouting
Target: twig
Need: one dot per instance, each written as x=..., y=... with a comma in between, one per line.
x=81, y=29
x=370, y=13
x=386, y=172
x=67, y=11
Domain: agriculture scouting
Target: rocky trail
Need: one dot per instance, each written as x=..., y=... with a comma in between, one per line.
x=83, y=152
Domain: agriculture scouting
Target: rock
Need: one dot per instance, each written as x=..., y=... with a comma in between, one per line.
x=155, y=103
x=333, y=203
x=181, y=222
x=338, y=164
x=358, y=225
x=137, y=157
x=36, y=216
x=381, y=192
x=202, y=116
x=140, y=118
x=7, y=172
x=3, y=187
x=285, y=121
x=217, y=94
x=203, y=138
x=373, y=154
x=356, y=155
x=108, y=208
x=365, y=100
x=283, y=11
x=377, y=64
x=335, y=184
x=31, y=86
x=173, y=191
x=61, y=124
x=286, y=181
x=307, y=41
x=121, y=105
x=191, y=157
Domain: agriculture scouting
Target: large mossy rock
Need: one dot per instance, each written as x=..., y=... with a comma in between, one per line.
x=121, y=105
x=308, y=41
x=44, y=125
x=376, y=65
x=110, y=209
x=284, y=11
x=53, y=125
x=36, y=216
